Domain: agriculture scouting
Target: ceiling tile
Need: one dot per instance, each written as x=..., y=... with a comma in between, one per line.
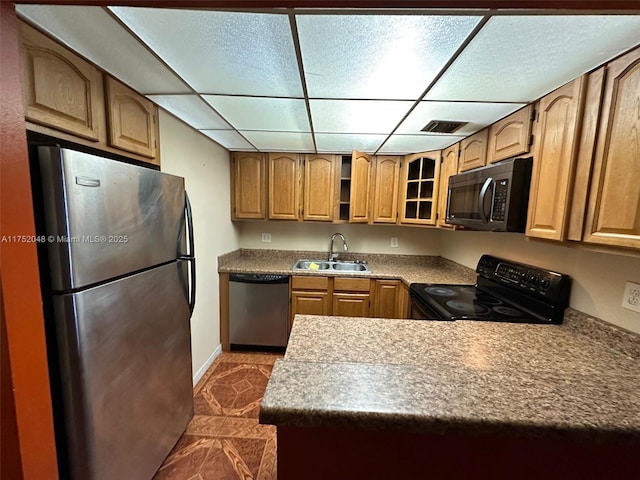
x=222, y=52
x=376, y=56
x=192, y=110
x=230, y=139
x=345, y=143
x=521, y=58
x=259, y=113
x=401, y=144
x=94, y=34
x=281, y=141
x=357, y=116
x=479, y=115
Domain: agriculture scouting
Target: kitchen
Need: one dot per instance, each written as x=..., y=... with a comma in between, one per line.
x=599, y=277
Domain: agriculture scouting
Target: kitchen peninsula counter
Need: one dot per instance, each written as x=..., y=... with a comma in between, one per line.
x=534, y=394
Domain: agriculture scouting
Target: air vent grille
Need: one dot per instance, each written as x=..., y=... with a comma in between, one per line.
x=443, y=126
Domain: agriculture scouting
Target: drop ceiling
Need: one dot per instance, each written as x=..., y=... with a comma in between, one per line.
x=334, y=81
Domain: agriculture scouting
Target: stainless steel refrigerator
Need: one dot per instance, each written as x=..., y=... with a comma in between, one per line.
x=118, y=273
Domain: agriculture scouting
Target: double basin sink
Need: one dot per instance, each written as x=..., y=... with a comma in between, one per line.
x=331, y=266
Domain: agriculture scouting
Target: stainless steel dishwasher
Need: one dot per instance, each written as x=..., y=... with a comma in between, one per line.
x=258, y=309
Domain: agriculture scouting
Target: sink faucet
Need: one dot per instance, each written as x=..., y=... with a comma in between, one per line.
x=334, y=256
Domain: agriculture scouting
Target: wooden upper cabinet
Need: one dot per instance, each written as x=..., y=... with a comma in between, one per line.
x=61, y=90
x=248, y=170
x=511, y=136
x=613, y=215
x=419, y=191
x=448, y=167
x=132, y=120
x=385, y=189
x=557, y=141
x=359, y=211
x=319, y=187
x=473, y=151
x=284, y=186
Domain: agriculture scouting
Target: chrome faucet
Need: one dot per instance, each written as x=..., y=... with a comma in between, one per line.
x=334, y=256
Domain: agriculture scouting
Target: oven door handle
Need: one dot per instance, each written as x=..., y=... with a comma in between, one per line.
x=483, y=195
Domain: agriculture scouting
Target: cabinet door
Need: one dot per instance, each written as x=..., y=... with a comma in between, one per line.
x=385, y=189
x=319, y=187
x=510, y=136
x=557, y=140
x=388, y=302
x=309, y=303
x=132, y=120
x=613, y=215
x=419, y=192
x=473, y=151
x=284, y=186
x=360, y=187
x=248, y=185
x=351, y=304
x=61, y=90
x=449, y=166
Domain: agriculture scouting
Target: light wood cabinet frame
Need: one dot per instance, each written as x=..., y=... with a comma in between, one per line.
x=556, y=150
x=319, y=187
x=385, y=192
x=510, y=136
x=61, y=90
x=473, y=151
x=132, y=120
x=284, y=187
x=449, y=166
x=248, y=186
x=613, y=215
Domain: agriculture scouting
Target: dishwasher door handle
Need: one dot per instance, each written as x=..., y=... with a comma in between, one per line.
x=258, y=278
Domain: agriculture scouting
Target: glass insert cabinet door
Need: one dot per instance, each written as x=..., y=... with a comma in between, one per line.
x=420, y=188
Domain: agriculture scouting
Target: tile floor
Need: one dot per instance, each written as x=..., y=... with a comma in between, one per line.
x=224, y=441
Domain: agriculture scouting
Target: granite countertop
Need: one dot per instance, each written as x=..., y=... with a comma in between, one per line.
x=455, y=377
x=408, y=268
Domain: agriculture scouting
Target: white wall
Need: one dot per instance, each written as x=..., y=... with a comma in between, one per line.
x=205, y=167
x=360, y=238
x=598, y=278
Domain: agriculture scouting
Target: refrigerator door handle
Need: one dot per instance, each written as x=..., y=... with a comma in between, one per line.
x=190, y=256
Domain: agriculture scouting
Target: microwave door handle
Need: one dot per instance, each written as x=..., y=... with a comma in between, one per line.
x=483, y=194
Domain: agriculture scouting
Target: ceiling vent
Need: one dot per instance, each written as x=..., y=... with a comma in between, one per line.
x=443, y=126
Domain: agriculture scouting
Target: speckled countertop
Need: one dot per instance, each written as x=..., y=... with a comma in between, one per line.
x=408, y=268
x=452, y=377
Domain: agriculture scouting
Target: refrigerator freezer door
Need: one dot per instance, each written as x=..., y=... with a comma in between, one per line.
x=125, y=366
x=106, y=218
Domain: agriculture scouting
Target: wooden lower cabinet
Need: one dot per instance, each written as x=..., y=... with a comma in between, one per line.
x=351, y=297
x=391, y=299
x=351, y=304
x=310, y=295
x=348, y=297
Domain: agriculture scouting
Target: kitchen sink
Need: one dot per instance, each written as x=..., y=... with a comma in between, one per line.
x=331, y=266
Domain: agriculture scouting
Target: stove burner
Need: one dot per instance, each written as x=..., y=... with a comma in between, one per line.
x=467, y=307
x=440, y=291
x=468, y=290
x=488, y=299
x=508, y=311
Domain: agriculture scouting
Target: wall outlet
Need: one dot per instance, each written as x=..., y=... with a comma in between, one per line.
x=394, y=242
x=266, y=238
x=631, y=298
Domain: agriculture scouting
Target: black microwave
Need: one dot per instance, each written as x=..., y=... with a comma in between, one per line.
x=491, y=198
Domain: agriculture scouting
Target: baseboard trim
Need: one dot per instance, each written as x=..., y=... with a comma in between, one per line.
x=203, y=369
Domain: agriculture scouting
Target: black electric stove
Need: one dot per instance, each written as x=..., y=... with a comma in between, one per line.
x=505, y=291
